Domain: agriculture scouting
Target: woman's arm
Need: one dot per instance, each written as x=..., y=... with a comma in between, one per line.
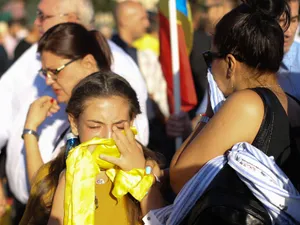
x=57, y=211
x=154, y=199
x=238, y=120
x=37, y=113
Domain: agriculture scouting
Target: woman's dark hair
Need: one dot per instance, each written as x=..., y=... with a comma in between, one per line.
x=252, y=34
x=102, y=84
x=73, y=41
x=99, y=84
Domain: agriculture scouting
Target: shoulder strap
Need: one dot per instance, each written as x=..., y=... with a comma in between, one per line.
x=264, y=135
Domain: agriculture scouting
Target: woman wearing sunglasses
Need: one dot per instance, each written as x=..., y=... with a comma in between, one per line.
x=245, y=57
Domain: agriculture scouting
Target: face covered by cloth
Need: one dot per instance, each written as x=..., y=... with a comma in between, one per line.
x=82, y=168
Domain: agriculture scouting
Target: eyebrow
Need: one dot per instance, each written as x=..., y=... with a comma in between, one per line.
x=100, y=122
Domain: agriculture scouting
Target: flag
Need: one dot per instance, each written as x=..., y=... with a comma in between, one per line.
x=185, y=42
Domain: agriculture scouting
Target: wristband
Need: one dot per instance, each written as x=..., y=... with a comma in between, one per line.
x=29, y=131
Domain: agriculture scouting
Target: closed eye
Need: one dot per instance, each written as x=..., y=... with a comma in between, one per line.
x=94, y=127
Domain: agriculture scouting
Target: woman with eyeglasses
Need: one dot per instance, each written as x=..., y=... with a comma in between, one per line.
x=245, y=57
x=69, y=53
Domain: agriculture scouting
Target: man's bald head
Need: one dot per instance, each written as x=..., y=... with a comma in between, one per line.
x=132, y=19
x=127, y=8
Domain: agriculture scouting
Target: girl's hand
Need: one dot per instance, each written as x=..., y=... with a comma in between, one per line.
x=132, y=156
x=39, y=110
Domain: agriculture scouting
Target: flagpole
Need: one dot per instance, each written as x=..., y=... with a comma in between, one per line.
x=175, y=60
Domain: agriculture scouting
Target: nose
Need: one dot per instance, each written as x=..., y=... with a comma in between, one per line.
x=288, y=32
x=49, y=81
x=109, y=132
x=37, y=22
x=147, y=24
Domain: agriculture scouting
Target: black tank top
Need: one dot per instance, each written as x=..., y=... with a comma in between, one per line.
x=273, y=137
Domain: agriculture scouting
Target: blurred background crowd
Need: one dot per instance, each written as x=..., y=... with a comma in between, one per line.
x=140, y=39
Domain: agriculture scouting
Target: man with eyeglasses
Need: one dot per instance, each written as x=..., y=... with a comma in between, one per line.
x=21, y=85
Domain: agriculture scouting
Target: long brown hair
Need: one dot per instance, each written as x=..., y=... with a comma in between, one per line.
x=100, y=84
x=73, y=41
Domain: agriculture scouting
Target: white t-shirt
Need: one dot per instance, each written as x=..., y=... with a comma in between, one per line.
x=21, y=85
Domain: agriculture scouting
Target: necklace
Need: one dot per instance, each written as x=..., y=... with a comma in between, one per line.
x=101, y=178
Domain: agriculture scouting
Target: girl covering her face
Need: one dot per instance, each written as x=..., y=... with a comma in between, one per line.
x=101, y=105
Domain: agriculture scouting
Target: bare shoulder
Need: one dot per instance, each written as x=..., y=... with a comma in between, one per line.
x=246, y=102
x=240, y=116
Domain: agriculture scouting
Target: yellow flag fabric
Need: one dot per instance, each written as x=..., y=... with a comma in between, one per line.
x=135, y=182
x=81, y=171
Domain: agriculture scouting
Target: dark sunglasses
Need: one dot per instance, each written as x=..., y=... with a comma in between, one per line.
x=210, y=56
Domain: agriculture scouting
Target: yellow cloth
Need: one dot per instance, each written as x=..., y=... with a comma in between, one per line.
x=147, y=42
x=82, y=168
x=136, y=182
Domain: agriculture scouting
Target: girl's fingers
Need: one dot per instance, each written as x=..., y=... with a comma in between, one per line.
x=129, y=133
x=154, y=167
x=119, y=143
x=55, y=106
x=139, y=145
x=53, y=110
x=122, y=138
x=111, y=159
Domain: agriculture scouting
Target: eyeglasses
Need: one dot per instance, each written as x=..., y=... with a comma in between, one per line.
x=209, y=57
x=42, y=17
x=53, y=73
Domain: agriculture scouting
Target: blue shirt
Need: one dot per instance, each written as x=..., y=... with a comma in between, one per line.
x=289, y=71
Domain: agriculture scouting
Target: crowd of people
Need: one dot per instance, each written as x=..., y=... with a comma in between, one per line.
x=88, y=137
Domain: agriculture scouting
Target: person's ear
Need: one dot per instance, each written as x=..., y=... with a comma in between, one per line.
x=73, y=124
x=231, y=65
x=89, y=62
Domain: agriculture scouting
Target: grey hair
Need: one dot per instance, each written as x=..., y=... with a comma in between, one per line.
x=84, y=9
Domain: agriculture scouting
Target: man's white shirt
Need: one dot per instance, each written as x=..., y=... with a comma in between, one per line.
x=21, y=85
